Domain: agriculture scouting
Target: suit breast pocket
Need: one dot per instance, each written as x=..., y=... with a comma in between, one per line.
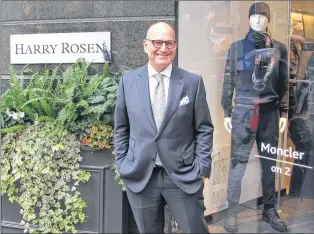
x=185, y=110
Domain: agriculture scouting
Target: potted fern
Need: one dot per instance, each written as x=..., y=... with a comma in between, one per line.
x=57, y=161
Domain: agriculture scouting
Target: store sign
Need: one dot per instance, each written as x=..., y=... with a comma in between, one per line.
x=60, y=47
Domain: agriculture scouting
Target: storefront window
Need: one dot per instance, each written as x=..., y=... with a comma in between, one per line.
x=257, y=62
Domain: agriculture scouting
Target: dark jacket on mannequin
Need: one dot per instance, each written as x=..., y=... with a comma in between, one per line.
x=239, y=70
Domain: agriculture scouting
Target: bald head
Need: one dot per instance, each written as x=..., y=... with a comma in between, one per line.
x=160, y=28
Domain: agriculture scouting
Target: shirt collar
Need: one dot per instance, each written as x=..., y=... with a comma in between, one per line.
x=166, y=72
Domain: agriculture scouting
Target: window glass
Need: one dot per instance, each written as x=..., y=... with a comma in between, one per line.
x=257, y=63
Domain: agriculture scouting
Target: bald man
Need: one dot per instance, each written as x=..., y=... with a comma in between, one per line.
x=163, y=138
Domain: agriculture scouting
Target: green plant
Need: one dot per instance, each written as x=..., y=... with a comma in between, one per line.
x=118, y=178
x=44, y=124
x=14, y=97
x=36, y=100
x=46, y=167
x=70, y=98
x=99, y=136
x=12, y=101
x=42, y=94
x=89, y=99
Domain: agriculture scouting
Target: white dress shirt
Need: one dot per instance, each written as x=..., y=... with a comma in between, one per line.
x=153, y=80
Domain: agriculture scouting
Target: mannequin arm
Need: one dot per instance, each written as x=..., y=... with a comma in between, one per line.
x=282, y=124
x=229, y=82
x=227, y=124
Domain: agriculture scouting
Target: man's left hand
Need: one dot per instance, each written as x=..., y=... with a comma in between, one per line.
x=203, y=178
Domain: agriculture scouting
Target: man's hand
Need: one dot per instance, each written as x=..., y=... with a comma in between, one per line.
x=203, y=178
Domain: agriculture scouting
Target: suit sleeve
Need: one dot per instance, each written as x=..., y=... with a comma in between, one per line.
x=203, y=131
x=284, y=81
x=228, y=83
x=121, y=126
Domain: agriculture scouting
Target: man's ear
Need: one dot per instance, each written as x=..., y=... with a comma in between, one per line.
x=145, y=46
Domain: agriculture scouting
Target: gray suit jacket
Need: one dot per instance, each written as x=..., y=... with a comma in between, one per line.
x=185, y=138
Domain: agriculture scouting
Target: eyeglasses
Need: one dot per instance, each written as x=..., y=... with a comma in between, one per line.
x=158, y=43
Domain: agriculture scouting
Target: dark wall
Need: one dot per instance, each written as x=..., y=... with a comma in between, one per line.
x=127, y=21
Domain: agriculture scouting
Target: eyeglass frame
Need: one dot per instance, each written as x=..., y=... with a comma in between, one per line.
x=163, y=42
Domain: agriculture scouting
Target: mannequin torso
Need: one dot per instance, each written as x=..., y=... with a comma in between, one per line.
x=259, y=23
x=256, y=71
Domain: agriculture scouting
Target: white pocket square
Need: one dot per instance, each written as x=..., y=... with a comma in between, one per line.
x=184, y=101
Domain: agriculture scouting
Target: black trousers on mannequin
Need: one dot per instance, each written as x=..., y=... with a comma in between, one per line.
x=250, y=124
x=301, y=135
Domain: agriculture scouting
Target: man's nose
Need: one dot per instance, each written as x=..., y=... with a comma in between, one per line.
x=163, y=47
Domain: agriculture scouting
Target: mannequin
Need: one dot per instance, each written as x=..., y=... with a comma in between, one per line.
x=256, y=69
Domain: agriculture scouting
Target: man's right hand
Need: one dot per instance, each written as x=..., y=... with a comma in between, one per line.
x=227, y=124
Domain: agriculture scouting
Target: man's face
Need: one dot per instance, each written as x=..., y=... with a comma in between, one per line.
x=160, y=46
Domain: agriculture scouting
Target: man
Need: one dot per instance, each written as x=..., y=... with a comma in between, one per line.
x=163, y=138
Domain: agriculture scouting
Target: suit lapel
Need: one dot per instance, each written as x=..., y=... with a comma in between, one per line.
x=143, y=90
x=174, y=95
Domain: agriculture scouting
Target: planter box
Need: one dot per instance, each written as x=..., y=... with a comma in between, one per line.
x=107, y=205
x=108, y=209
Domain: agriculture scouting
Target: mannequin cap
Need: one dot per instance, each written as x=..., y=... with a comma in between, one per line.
x=260, y=8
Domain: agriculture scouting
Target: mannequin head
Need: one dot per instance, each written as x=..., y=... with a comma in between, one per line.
x=258, y=22
x=259, y=15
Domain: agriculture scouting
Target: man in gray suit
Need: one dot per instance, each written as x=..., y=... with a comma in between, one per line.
x=163, y=138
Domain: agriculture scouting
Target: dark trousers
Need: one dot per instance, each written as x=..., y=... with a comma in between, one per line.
x=249, y=125
x=148, y=205
x=301, y=134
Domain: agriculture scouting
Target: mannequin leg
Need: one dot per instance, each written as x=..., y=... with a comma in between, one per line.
x=234, y=184
x=301, y=136
x=242, y=140
x=268, y=134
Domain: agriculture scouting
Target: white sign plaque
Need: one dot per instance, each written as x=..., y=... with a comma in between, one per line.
x=94, y=47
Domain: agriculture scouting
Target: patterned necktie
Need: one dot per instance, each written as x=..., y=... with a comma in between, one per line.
x=159, y=101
